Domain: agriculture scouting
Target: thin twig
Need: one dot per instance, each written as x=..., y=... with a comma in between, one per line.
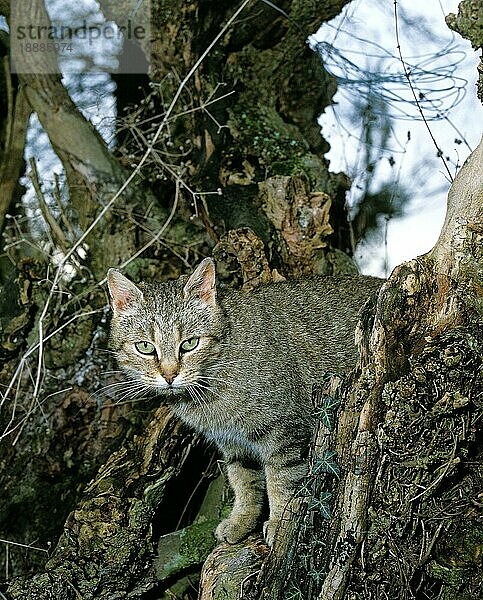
x=155, y=238
x=160, y=128
x=413, y=91
x=23, y=545
x=35, y=347
x=56, y=231
x=451, y=463
x=58, y=200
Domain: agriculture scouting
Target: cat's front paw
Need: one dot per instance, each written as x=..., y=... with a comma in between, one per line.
x=270, y=530
x=233, y=530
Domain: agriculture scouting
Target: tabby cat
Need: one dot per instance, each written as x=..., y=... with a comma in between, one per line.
x=239, y=367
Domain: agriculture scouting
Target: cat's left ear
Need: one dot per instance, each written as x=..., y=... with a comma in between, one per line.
x=125, y=296
x=202, y=283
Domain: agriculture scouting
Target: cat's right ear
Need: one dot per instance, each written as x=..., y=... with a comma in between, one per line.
x=202, y=283
x=125, y=296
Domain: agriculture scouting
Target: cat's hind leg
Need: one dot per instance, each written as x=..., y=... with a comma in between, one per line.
x=248, y=484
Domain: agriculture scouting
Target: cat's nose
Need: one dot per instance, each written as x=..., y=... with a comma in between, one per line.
x=169, y=369
x=170, y=376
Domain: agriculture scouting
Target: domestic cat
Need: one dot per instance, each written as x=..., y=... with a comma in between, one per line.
x=239, y=367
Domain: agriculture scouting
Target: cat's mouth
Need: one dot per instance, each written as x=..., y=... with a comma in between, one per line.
x=172, y=392
x=179, y=391
x=169, y=389
x=160, y=384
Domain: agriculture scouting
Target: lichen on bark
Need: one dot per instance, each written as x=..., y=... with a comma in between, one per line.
x=428, y=441
x=468, y=23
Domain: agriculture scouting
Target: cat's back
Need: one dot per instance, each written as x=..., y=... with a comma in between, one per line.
x=313, y=318
x=308, y=298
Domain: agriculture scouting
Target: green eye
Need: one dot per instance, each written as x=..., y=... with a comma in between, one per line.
x=145, y=348
x=189, y=344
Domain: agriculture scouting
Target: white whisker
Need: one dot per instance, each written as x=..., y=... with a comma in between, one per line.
x=201, y=387
x=132, y=392
x=116, y=384
x=207, y=379
x=198, y=398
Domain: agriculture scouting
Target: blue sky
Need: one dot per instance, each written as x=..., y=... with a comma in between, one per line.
x=423, y=34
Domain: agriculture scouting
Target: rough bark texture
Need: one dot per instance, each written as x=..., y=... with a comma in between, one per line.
x=419, y=418
x=106, y=548
x=468, y=24
x=252, y=131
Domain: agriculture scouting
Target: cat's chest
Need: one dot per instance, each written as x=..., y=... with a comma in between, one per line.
x=229, y=435
x=233, y=439
x=230, y=428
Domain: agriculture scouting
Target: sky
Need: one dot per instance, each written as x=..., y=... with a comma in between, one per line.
x=423, y=34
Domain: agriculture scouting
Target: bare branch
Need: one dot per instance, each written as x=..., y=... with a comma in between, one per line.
x=56, y=231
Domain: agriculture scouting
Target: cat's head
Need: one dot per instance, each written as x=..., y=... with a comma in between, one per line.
x=167, y=335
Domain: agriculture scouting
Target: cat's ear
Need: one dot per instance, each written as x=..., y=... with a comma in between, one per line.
x=202, y=283
x=125, y=296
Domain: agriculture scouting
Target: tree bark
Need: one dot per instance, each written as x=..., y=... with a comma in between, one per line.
x=107, y=544
x=13, y=148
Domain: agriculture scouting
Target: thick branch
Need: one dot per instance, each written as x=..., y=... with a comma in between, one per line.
x=107, y=543
x=406, y=314
x=230, y=570
x=462, y=233
x=12, y=157
x=74, y=139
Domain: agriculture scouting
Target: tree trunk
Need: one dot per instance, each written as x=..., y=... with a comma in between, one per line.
x=107, y=544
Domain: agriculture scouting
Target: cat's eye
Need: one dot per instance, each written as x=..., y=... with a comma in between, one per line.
x=145, y=348
x=189, y=344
